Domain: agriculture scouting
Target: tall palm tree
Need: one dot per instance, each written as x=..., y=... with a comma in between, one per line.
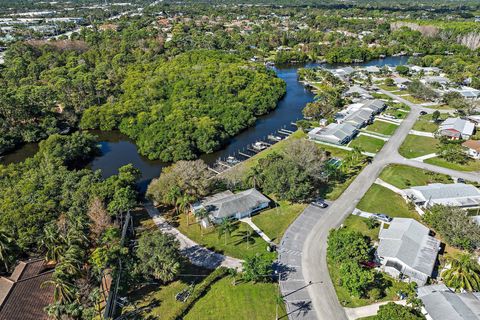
x=172, y=196
x=464, y=273
x=254, y=177
x=6, y=243
x=225, y=228
x=63, y=291
x=202, y=214
x=183, y=204
x=53, y=242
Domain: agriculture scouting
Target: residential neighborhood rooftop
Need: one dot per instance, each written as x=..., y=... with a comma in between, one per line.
x=453, y=194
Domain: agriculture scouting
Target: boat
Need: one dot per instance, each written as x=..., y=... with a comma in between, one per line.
x=259, y=146
x=232, y=160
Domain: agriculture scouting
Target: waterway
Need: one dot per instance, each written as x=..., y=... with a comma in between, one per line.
x=118, y=150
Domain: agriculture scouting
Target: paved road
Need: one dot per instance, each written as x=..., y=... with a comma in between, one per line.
x=197, y=254
x=313, y=259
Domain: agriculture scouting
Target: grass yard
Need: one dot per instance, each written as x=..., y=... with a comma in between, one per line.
x=403, y=177
x=417, y=146
x=388, y=88
x=158, y=301
x=381, y=96
x=358, y=224
x=242, y=301
x=382, y=127
x=367, y=143
x=236, y=244
x=440, y=107
x=425, y=123
x=412, y=99
x=379, y=199
x=349, y=301
x=472, y=165
x=399, y=114
x=274, y=222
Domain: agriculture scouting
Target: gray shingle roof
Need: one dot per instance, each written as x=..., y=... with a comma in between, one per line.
x=225, y=207
x=453, y=194
x=334, y=133
x=463, y=126
x=409, y=241
x=442, y=304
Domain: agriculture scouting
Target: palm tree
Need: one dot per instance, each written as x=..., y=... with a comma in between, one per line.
x=53, y=242
x=245, y=236
x=183, y=204
x=225, y=228
x=464, y=273
x=172, y=196
x=254, y=177
x=64, y=291
x=202, y=214
x=6, y=243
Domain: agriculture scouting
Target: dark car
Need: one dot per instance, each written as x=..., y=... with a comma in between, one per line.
x=320, y=203
x=422, y=113
x=460, y=180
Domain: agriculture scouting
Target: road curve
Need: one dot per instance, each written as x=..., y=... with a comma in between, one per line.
x=314, y=264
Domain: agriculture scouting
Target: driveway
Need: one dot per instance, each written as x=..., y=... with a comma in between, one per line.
x=197, y=254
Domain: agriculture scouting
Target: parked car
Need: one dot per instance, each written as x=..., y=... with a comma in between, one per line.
x=320, y=203
x=369, y=264
x=422, y=113
x=383, y=217
x=460, y=180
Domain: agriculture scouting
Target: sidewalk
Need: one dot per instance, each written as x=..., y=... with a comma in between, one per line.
x=422, y=133
x=256, y=229
x=425, y=157
x=197, y=254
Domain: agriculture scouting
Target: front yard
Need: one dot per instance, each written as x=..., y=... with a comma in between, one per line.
x=236, y=244
x=379, y=199
x=368, y=144
x=472, y=165
x=274, y=222
x=417, y=146
x=382, y=127
x=403, y=177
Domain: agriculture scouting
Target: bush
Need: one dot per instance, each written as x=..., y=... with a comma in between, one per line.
x=375, y=294
x=371, y=223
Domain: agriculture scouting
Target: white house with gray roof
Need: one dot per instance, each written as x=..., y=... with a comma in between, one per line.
x=406, y=249
x=454, y=194
x=232, y=205
x=334, y=133
x=456, y=128
x=440, y=303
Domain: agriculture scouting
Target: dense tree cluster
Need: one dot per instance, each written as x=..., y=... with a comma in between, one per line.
x=177, y=109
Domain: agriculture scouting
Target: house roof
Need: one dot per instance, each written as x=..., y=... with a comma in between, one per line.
x=443, y=304
x=359, y=117
x=375, y=105
x=462, y=126
x=334, y=132
x=409, y=241
x=434, y=79
x=472, y=144
x=400, y=80
x=225, y=207
x=453, y=194
x=21, y=295
x=356, y=89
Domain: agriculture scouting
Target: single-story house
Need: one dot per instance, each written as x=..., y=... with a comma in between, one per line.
x=342, y=72
x=453, y=194
x=407, y=249
x=357, y=91
x=456, y=128
x=468, y=93
x=426, y=70
x=475, y=119
x=377, y=106
x=472, y=148
x=372, y=69
x=232, y=205
x=22, y=295
x=401, y=83
x=436, y=79
x=360, y=118
x=334, y=133
x=440, y=303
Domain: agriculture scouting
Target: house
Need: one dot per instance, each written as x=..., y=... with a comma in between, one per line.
x=334, y=133
x=377, y=106
x=407, y=249
x=360, y=118
x=357, y=91
x=22, y=296
x=453, y=194
x=473, y=148
x=372, y=69
x=468, y=93
x=456, y=128
x=436, y=79
x=343, y=72
x=401, y=83
x=440, y=303
x=232, y=205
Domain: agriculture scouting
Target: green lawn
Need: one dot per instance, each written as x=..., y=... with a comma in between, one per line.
x=382, y=127
x=416, y=146
x=158, y=301
x=367, y=144
x=440, y=107
x=242, y=301
x=402, y=176
x=413, y=99
x=397, y=113
x=473, y=165
x=381, y=96
x=234, y=245
x=357, y=223
x=274, y=222
x=425, y=123
x=379, y=199
x=349, y=301
x=388, y=88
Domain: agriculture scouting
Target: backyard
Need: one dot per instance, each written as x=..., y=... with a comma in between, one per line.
x=379, y=199
x=403, y=177
x=367, y=143
x=382, y=127
x=417, y=146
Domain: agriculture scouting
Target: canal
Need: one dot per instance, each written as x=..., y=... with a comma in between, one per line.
x=118, y=150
